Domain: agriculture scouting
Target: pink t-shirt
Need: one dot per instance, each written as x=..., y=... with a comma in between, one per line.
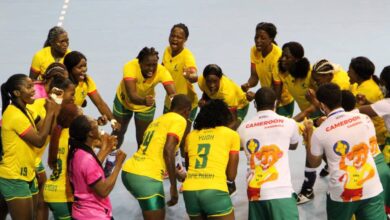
x=85, y=171
x=40, y=91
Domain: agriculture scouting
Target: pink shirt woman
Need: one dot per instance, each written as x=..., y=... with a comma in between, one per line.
x=86, y=171
x=90, y=187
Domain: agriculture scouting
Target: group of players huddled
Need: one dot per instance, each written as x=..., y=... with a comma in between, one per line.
x=344, y=119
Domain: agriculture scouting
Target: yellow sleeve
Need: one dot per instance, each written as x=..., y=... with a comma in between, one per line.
x=163, y=75
x=201, y=83
x=252, y=55
x=275, y=74
x=21, y=123
x=190, y=60
x=130, y=70
x=36, y=63
x=235, y=147
x=177, y=128
x=91, y=85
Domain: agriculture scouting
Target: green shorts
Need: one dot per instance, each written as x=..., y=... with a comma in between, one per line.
x=40, y=168
x=61, y=210
x=277, y=209
x=212, y=203
x=368, y=209
x=241, y=113
x=191, y=118
x=384, y=176
x=120, y=111
x=18, y=189
x=286, y=110
x=149, y=192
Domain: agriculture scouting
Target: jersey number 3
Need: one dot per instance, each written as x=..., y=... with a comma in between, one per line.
x=203, y=152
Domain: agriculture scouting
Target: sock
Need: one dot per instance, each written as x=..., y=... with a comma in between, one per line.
x=310, y=179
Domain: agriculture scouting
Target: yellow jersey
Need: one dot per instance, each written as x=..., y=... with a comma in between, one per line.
x=57, y=187
x=84, y=89
x=42, y=59
x=341, y=78
x=18, y=160
x=176, y=66
x=208, y=153
x=268, y=71
x=228, y=91
x=149, y=160
x=298, y=88
x=145, y=87
x=373, y=93
x=39, y=109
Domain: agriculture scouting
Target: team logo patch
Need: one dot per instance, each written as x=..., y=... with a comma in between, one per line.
x=341, y=148
x=252, y=145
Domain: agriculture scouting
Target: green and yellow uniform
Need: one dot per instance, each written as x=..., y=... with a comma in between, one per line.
x=57, y=191
x=39, y=108
x=176, y=66
x=268, y=72
x=208, y=152
x=17, y=167
x=143, y=172
x=132, y=71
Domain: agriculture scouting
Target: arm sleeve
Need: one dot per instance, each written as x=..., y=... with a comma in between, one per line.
x=129, y=71
x=190, y=60
x=316, y=147
x=91, y=170
x=295, y=133
x=164, y=76
x=91, y=85
x=21, y=124
x=381, y=107
x=201, y=83
x=177, y=128
x=235, y=143
x=36, y=64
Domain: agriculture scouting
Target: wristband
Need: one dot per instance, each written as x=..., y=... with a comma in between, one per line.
x=113, y=122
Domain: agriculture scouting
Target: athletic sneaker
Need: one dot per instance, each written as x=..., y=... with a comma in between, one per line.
x=306, y=195
x=232, y=188
x=108, y=168
x=324, y=172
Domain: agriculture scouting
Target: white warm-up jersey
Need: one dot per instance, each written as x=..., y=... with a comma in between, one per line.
x=382, y=109
x=266, y=138
x=345, y=139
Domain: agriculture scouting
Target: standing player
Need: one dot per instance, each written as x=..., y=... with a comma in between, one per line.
x=212, y=156
x=365, y=83
x=267, y=138
x=76, y=64
x=382, y=109
x=295, y=73
x=143, y=173
x=54, y=51
x=264, y=68
x=180, y=62
x=19, y=137
x=135, y=95
x=344, y=137
x=215, y=85
x=323, y=72
x=57, y=191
